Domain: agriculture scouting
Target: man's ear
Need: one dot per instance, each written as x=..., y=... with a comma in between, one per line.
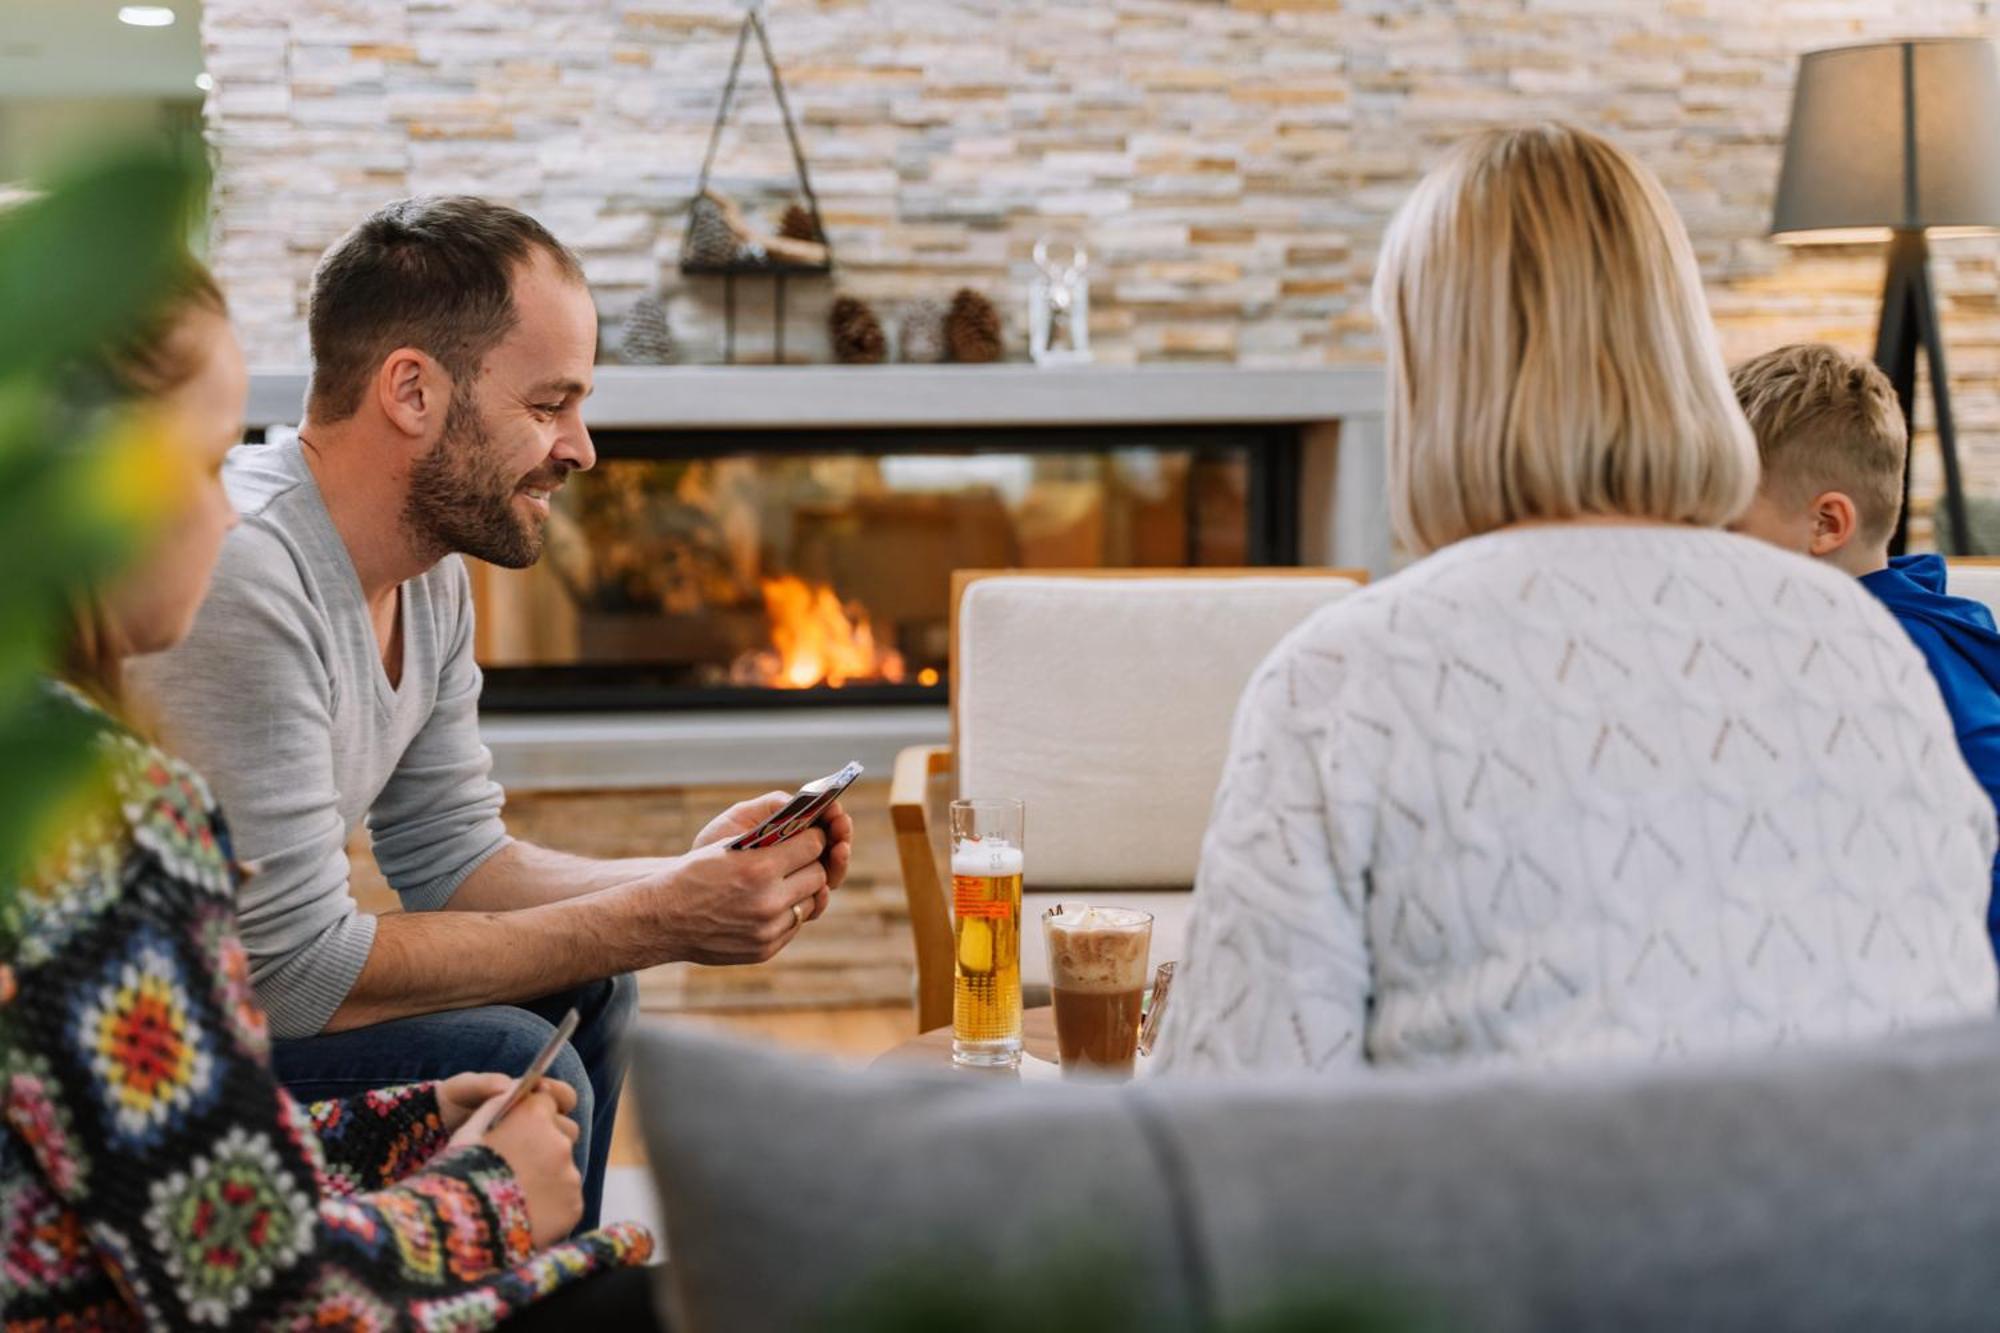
x=413, y=392
x=1834, y=522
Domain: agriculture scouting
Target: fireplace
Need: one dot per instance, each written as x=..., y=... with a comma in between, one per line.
x=758, y=568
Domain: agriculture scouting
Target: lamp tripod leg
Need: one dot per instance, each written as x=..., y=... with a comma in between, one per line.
x=1931, y=334
x=1909, y=323
x=1896, y=353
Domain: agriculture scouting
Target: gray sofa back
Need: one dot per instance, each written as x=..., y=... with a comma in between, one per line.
x=1837, y=1188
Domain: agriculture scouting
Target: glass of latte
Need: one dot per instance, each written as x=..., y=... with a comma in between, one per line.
x=1097, y=971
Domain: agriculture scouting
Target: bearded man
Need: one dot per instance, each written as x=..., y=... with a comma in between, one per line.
x=330, y=677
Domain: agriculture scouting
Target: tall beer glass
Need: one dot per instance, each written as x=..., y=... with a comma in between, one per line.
x=986, y=868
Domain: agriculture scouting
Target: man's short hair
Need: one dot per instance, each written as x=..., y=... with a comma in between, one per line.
x=1827, y=420
x=435, y=274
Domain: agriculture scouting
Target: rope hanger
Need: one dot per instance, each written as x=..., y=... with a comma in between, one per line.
x=753, y=23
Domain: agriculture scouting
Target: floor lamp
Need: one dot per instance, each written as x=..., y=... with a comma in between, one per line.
x=1898, y=141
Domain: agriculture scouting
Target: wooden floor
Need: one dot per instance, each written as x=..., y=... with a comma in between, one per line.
x=856, y=1034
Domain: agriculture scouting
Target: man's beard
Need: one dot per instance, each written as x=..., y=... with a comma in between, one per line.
x=460, y=501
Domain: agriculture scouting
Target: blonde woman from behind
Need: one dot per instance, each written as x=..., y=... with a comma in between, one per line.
x=1593, y=778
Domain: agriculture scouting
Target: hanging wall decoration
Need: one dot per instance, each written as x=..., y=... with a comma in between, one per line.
x=721, y=242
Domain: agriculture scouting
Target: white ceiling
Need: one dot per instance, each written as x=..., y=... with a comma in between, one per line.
x=78, y=48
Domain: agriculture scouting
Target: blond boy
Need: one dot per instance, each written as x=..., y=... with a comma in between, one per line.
x=1833, y=443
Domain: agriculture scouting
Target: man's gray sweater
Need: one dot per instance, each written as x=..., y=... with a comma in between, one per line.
x=279, y=698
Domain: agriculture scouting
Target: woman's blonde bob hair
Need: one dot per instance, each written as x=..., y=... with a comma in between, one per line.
x=1550, y=352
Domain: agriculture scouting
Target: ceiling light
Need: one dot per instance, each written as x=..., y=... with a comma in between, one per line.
x=205, y=82
x=146, y=16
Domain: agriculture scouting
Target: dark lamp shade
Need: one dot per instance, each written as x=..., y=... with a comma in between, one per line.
x=1898, y=135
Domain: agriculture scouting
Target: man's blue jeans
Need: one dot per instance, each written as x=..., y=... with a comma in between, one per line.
x=501, y=1038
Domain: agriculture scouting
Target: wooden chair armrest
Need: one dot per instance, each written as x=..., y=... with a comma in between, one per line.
x=909, y=785
x=930, y=917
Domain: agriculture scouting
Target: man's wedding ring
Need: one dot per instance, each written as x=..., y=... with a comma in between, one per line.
x=798, y=914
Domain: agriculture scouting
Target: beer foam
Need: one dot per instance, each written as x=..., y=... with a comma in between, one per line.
x=985, y=856
x=1098, y=949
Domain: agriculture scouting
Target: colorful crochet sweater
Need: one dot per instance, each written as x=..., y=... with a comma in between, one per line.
x=152, y=1172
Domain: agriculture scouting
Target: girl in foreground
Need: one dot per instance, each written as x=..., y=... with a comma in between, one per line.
x=152, y=1172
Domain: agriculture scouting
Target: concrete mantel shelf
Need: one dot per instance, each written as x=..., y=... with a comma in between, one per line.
x=779, y=746
x=865, y=397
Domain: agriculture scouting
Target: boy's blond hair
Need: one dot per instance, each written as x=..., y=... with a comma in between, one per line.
x=1550, y=351
x=1827, y=420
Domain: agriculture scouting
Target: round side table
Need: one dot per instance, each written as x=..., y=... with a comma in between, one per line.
x=1038, y=1045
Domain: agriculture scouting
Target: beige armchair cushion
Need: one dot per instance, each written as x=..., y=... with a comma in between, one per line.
x=1981, y=582
x=1106, y=703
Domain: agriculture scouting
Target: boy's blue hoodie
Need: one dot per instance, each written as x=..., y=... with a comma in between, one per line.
x=1958, y=638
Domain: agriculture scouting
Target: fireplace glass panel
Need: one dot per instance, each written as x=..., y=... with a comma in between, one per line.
x=751, y=576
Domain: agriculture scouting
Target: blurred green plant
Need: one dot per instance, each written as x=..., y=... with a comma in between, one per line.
x=1085, y=1287
x=1080, y=1288
x=83, y=262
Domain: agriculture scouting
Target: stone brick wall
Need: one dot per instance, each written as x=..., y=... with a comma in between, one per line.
x=1231, y=165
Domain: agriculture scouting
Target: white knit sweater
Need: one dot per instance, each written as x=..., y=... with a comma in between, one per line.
x=1561, y=793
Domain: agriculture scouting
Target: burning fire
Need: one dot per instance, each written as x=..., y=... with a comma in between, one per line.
x=816, y=641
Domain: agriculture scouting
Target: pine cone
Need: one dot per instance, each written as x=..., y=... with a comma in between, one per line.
x=857, y=334
x=646, y=341
x=797, y=224
x=710, y=241
x=920, y=337
x=972, y=329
